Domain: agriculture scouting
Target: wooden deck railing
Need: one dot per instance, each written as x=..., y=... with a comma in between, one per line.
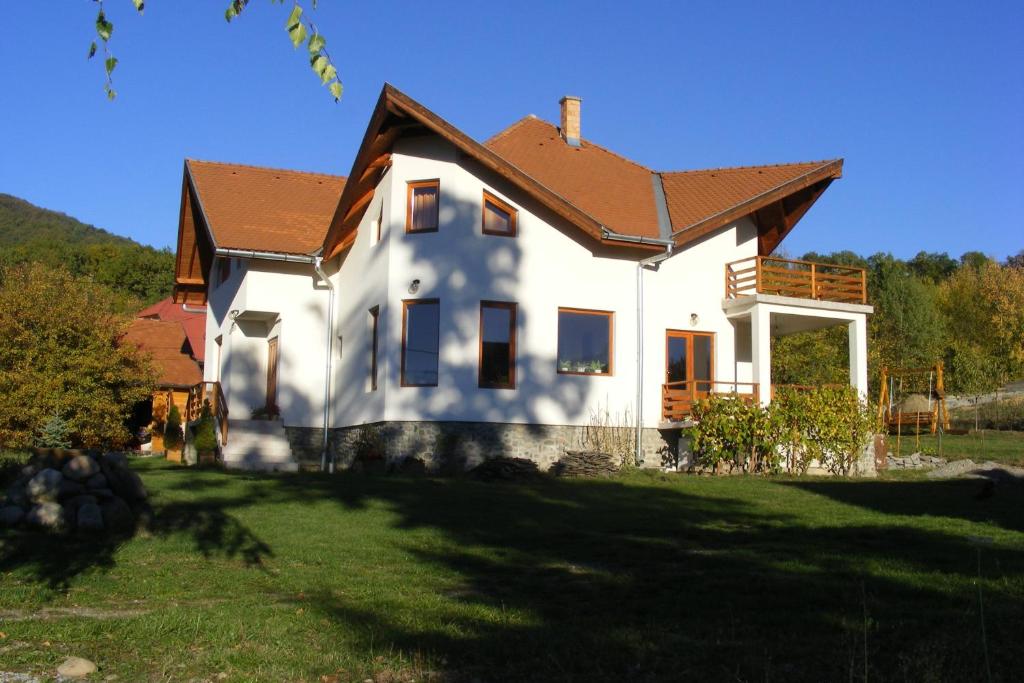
x=677, y=398
x=799, y=279
x=212, y=392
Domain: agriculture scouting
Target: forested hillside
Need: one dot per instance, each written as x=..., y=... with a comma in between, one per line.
x=135, y=273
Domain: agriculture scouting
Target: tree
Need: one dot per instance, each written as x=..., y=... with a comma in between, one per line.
x=933, y=267
x=61, y=356
x=907, y=329
x=299, y=27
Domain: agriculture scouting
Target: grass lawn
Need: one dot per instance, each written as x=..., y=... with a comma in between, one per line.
x=1000, y=446
x=642, y=577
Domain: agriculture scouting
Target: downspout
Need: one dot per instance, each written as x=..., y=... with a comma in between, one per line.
x=318, y=266
x=666, y=241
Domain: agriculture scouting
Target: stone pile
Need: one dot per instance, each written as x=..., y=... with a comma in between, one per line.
x=914, y=461
x=505, y=469
x=76, y=492
x=584, y=464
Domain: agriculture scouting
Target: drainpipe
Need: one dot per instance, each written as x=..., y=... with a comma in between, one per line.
x=318, y=266
x=651, y=262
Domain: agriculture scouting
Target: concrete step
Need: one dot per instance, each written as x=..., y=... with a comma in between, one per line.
x=260, y=445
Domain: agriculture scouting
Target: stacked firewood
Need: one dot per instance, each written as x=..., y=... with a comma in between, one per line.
x=585, y=464
x=505, y=469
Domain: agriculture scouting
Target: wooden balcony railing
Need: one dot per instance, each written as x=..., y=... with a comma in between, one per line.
x=677, y=398
x=799, y=279
x=212, y=392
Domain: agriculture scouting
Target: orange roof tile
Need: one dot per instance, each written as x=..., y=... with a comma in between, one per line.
x=265, y=209
x=192, y=321
x=694, y=196
x=613, y=190
x=166, y=342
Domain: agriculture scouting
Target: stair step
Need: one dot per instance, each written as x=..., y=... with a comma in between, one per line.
x=259, y=445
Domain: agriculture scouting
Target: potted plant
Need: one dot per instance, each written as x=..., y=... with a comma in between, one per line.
x=174, y=438
x=582, y=366
x=565, y=365
x=596, y=367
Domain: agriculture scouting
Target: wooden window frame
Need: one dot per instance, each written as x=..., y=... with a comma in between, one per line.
x=513, y=318
x=611, y=341
x=374, y=341
x=411, y=187
x=380, y=221
x=406, y=303
x=512, y=212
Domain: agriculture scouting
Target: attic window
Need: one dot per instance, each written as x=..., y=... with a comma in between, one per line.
x=421, y=214
x=499, y=218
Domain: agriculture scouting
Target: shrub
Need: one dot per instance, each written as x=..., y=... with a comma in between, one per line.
x=830, y=425
x=173, y=436
x=612, y=434
x=205, y=439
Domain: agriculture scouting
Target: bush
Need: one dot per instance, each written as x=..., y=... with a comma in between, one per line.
x=173, y=436
x=613, y=434
x=830, y=425
x=205, y=439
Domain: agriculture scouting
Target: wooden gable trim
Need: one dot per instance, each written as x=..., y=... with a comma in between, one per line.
x=825, y=173
x=195, y=247
x=775, y=221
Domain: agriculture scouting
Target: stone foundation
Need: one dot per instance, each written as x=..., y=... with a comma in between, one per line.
x=463, y=444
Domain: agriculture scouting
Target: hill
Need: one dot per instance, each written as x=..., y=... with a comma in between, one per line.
x=140, y=274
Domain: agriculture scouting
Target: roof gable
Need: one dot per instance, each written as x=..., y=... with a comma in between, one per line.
x=166, y=343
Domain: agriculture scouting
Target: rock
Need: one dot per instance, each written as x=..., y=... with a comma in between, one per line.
x=76, y=667
x=96, y=481
x=115, y=459
x=11, y=515
x=117, y=516
x=102, y=494
x=46, y=515
x=70, y=488
x=16, y=495
x=90, y=517
x=45, y=486
x=80, y=468
x=123, y=480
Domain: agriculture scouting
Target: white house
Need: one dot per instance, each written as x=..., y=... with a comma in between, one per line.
x=472, y=299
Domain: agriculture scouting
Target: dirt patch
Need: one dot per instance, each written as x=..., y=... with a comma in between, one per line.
x=52, y=613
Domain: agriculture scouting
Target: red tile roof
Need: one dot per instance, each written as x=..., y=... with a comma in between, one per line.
x=192, y=319
x=613, y=190
x=165, y=341
x=265, y=209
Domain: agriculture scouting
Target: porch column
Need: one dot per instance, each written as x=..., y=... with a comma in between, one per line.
x=857, y=331
x=761, y=350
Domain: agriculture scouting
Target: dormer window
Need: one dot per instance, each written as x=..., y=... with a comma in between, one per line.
x=499, y=217
x=421, y=214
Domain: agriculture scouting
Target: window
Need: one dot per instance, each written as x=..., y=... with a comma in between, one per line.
x=499, y=217
x=420, y=330
x=380, y=220
x=585, y=344
x=374, y=320
x=421, y=215
x=497, y=345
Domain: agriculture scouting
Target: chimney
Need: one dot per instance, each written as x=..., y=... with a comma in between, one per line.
x=571, y=119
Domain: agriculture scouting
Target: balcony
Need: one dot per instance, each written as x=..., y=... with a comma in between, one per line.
x=677, y=398
x=796, y=279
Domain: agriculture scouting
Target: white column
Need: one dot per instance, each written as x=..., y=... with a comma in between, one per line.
x=761, y=350
x=858, y=336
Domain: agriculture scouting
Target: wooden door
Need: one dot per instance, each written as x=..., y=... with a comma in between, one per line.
x=689, y=362
x=272, y=375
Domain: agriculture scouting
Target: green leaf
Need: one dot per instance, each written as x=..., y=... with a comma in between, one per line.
x=103, y=27
x=336, y=90
x=298, y=35
x=92, y=50
x=294, y=18
x=230, y=13
x=110, y=63
x=329, y=74
x=111, y=93
x=316, y=43
x=139, y=5
x=319, y=64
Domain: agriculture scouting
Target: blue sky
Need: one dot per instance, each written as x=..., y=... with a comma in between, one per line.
x=925, y=101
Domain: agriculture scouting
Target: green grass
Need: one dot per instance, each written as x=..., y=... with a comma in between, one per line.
x=643, y=577
x=998, y=446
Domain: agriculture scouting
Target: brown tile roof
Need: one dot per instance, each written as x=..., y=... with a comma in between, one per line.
x=265, y=209
x=194, y=323
x=694, y=196
x=166, y=342
x=613, y=190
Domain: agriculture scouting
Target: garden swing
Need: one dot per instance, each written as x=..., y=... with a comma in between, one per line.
x=913, y=397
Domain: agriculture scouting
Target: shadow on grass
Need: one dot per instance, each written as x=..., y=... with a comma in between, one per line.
x=605, y=580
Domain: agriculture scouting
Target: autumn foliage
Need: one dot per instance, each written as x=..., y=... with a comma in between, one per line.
x=60, y=356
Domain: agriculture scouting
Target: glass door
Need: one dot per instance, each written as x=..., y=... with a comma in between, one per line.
x=689, y=362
